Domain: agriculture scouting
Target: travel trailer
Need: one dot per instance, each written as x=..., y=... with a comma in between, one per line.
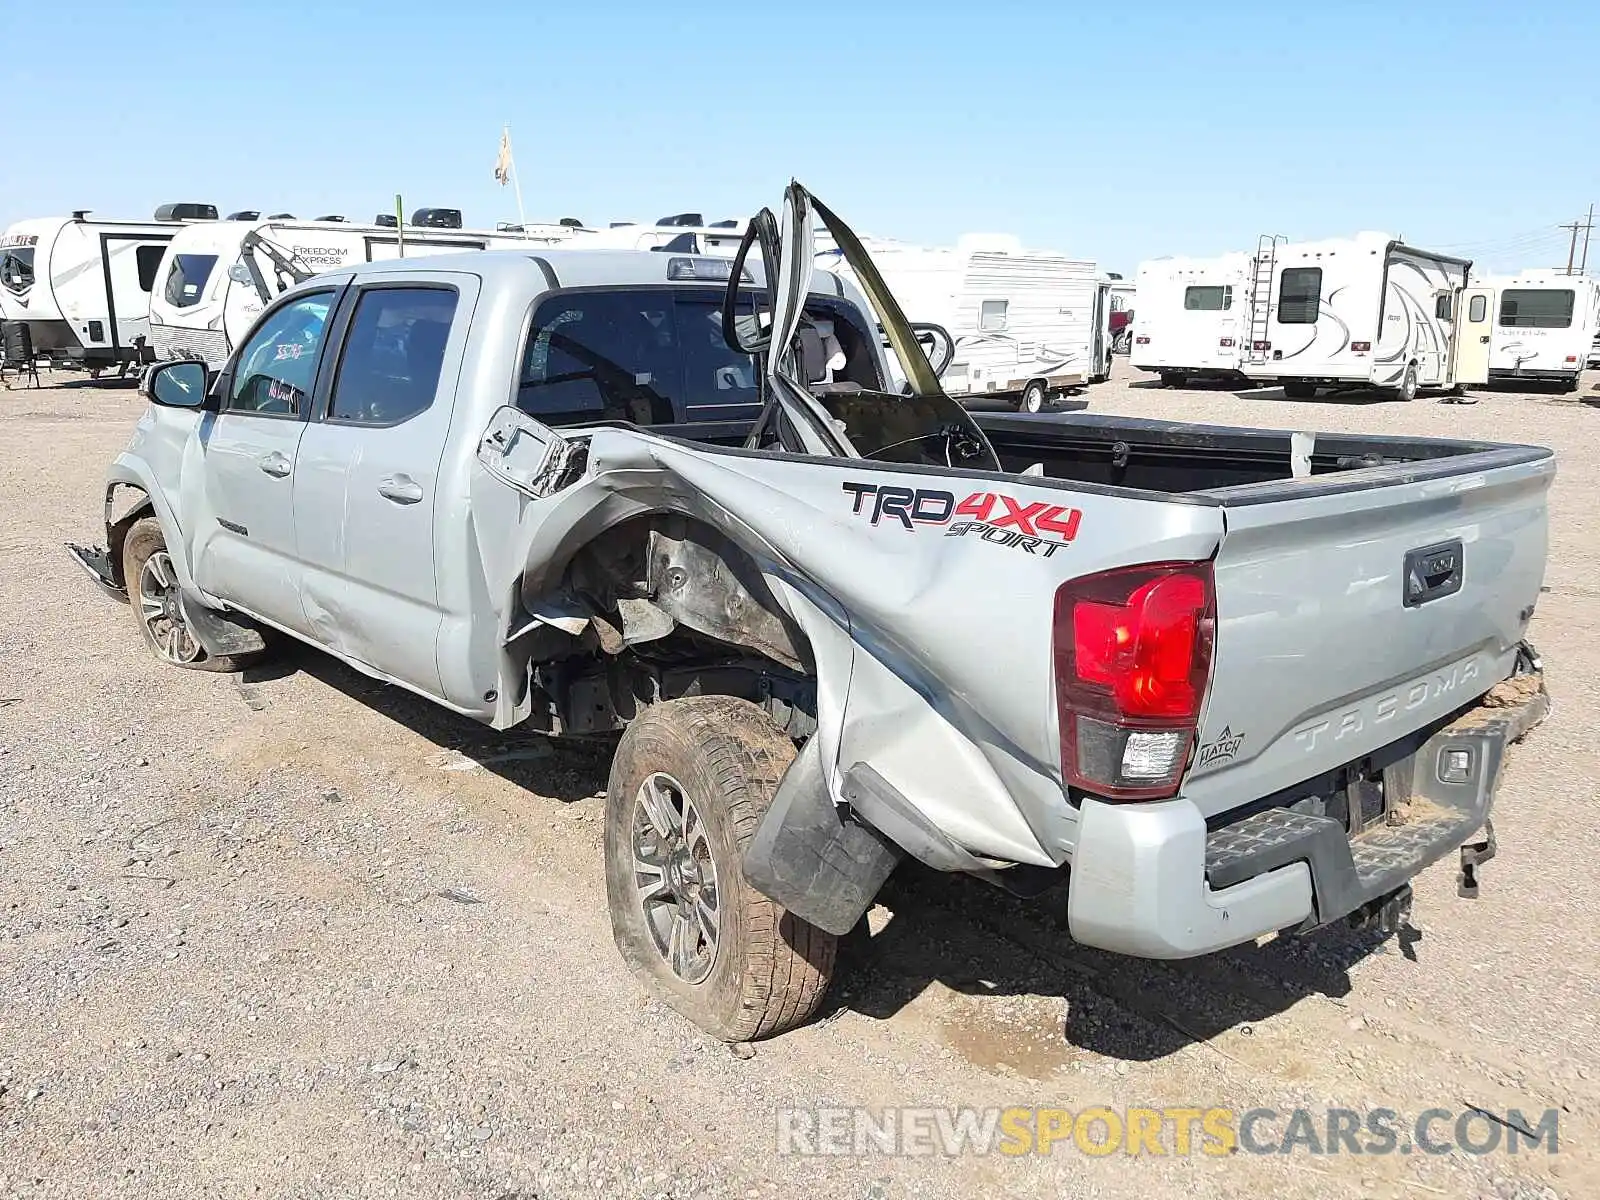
x=1365, y=311
x=1192, y=316
x=1025, y=323
x=215, y=279
x=1545, y=326
x=81, y=287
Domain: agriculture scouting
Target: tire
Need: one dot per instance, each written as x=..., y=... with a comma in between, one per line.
x=1035, y=397
x=1569, y=384
x=1173, y=379
x=1299, y=389
x=153, y=594
x=708, y=767
x=1408, y=384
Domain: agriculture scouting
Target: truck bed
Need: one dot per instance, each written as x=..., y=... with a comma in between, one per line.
x=1177, y=458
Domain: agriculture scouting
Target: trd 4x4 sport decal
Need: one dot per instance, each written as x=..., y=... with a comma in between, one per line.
x=1032, y=526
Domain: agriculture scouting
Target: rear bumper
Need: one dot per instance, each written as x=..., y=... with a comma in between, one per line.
x=1151, y=880
x=1569, y=372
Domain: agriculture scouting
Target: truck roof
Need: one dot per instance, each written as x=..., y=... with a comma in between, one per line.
x=564, y=268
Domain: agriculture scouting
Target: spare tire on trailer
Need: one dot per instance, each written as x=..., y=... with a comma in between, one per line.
x=690, y=782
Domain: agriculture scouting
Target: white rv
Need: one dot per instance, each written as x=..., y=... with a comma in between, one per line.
x=216, y=278
x=82, y=286
x=1545, y=325
x=1025, y=323
x=1192, y=316
x=1365, y=311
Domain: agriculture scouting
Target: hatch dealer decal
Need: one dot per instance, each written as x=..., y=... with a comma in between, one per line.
x=1033, y=527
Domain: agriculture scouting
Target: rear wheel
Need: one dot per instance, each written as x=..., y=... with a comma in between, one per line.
x=689, y=784
x=1035, y=397
x=153, y=592
x=1408, y=384
x=1173, y=379
x=1299, y=389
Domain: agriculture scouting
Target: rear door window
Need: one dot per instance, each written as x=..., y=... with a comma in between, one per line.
x=186, y=280
x=393, y=355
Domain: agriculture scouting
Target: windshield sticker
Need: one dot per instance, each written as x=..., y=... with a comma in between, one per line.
x=1033, y=527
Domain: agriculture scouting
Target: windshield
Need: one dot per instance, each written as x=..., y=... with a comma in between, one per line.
x=186, y=281
x=16, y=269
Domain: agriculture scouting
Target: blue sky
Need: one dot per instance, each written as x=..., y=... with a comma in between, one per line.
x=1115, y=131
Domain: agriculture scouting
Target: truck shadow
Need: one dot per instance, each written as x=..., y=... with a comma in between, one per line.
x=974, y=940
x=559, y=768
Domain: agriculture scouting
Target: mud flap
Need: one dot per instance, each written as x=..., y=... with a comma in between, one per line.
x=820, y=865
x=221, y=634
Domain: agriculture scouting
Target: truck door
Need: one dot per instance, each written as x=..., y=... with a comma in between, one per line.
x=243, y=529
x=366, y=494
x=1469, y=349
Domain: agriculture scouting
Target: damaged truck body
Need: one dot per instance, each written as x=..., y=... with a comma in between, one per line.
x=1218, y=683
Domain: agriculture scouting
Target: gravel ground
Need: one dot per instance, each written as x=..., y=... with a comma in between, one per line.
x=282, y=934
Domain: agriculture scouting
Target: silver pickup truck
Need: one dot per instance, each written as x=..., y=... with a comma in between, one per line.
x=1219, y=683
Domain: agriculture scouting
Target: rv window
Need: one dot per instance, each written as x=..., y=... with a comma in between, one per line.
x=1208, y=299
x=992, y=316
x=1299, y=296
x=1478, y=309
x=186, y=281
x=393, y=355
x=1443, y=306
x=1536, y=308
x=149, y=259
x=600, y=356
x=278, y=364
x=16, y=269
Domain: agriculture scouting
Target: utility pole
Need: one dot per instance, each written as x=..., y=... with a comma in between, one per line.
x=1587, y=226
x=1572, y=246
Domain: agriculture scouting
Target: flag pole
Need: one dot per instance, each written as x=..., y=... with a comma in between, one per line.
x=516, y=181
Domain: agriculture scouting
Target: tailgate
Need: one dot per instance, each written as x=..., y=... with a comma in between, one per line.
x=1353, y=610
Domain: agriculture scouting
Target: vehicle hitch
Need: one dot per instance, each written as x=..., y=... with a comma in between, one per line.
x=1389, y=913
x=1473, y=856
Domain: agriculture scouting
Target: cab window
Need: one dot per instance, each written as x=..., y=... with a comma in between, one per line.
x=393, y=355
x=278, y=365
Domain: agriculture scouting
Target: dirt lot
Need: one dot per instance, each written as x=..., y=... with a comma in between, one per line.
x=299, y=934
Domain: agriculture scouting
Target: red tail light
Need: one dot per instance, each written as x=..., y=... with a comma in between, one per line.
x=1225, y=342
x=1361, y=347
x=1261, y=345
x=1143, y=341
x=1572, y=358
x=1132, y=658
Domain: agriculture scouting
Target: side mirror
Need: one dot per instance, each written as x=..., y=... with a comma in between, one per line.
x=175, y=384
x=519, y=451
x=936, y=343
x=240, y=273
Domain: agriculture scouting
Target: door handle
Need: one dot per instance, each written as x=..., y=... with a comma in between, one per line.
x=402, y=489
x=274, y=464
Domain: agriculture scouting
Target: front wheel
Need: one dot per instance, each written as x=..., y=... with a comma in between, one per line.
x=153, y=591
x=1035, y=397
x=691, y=780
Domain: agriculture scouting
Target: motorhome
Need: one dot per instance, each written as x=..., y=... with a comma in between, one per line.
x=215, y=279
x=81, y=287
x=1545, y=326
x=1025, y=323
x=1367, y=311
x=1192, y=317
